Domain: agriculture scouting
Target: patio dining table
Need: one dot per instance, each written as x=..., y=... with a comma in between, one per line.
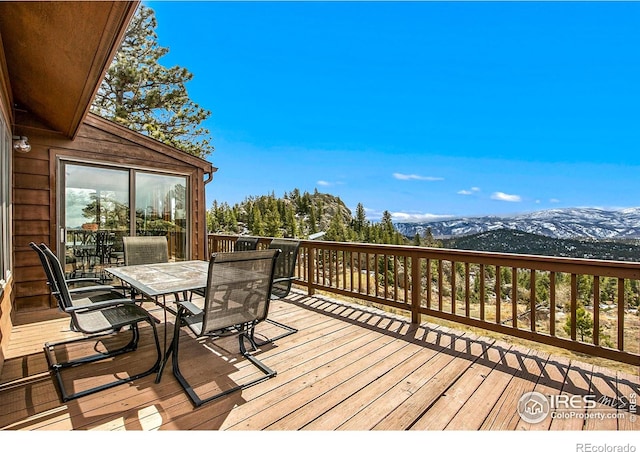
x=158, y=280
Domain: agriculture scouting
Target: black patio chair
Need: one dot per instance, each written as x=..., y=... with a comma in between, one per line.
x=285, y=266
x=145, y=250
x=139, y=250
x=283, y=277
x=95, y=319
x=237, y=298
x=246, y=244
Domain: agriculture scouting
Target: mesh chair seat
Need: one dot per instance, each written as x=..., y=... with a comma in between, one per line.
x=108, y=319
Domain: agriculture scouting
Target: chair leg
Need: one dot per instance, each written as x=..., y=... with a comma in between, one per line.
x=288, y=332
x=195, y=399
x=130, y=346
x=56, y=368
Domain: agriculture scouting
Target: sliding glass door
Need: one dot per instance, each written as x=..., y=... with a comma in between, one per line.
x=102, y=204
x=161, y=209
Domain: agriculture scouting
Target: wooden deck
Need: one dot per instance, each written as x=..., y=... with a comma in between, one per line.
x=347, y=368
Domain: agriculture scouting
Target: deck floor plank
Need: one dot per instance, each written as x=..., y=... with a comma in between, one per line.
x=349, y=367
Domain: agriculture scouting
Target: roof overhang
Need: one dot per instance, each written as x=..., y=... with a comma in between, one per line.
x=57, y=53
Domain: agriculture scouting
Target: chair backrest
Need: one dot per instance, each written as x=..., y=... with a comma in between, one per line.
x=61, y=291
x=145, y=250
x=285, y=266
x=246, y=244
x=238, y=288
x=51, y=282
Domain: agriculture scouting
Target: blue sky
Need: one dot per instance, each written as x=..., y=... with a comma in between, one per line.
x=424, y=109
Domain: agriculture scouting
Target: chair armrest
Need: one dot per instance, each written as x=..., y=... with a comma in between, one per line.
x=192, y=308
x=97, y=288
x=102, y=305
x=82, y=280
x=293, y=278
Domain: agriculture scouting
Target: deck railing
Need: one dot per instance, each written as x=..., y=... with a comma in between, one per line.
x=530, y=297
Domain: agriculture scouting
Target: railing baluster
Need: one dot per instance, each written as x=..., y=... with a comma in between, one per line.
x=532, y=300
x=395, y=279
x=498, y=293
x=428, y=288
x=514, y=297
x=482, y=291
x=406, y=281
x=467, y=295
x=416, y=288
x=376, y=275
x=596, y=310
x=440, y=284
x=620, y=314
x=385, y=276
x=453, y=287
x=574, y=305
x=351, y=270
x=552, y=303
x=311, y=269
x=344, y=270
x=334, y=269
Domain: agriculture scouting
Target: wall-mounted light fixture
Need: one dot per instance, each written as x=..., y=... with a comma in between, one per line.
x=21, y=144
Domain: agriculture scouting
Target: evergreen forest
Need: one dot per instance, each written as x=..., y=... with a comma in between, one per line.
x=306, y=215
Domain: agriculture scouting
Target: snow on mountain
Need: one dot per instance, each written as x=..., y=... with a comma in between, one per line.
x=557, y=223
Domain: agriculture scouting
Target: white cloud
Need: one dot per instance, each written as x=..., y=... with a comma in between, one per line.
x=469, y=192
x=405, y=217
x=499, y=196
x=554, y=200
x=401, y=176
x=326, y=183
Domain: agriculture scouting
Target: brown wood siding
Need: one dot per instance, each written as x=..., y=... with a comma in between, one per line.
x=34, y=191
x=31, y=222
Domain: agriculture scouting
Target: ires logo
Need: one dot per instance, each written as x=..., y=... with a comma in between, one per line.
x=535, y=407
x=572, y=402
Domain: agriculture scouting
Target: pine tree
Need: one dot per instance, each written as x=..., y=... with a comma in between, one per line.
x=584, y=323
x=360, y=220
x=149, y=98
x=257, y=225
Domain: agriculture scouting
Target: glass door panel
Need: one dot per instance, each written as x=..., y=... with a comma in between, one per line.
x=161, y=210
x=96, y=217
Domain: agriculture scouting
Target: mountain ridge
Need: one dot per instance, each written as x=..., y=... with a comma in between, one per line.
x=566, y=223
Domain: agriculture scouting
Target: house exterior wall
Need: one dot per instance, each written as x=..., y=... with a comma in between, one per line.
x=35, y=192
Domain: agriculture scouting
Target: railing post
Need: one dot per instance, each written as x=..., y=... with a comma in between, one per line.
x=416, y=287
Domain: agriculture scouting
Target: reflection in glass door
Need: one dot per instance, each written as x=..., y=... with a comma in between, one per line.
x=96, y=217
x=161, y=210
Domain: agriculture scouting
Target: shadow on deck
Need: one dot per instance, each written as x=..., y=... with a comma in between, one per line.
x=349, y=367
